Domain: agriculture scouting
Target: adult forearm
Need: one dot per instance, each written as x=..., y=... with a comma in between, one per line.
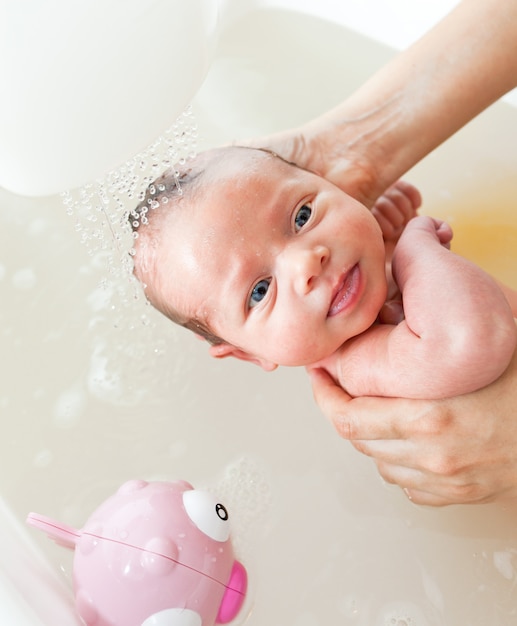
x=420, y=98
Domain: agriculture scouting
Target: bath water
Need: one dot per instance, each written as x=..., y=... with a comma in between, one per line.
x=87, y=403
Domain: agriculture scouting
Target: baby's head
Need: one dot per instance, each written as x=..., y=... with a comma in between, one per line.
x=268, y=262
x=174, y=191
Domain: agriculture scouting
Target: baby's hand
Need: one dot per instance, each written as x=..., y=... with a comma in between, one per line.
x=438, y=228
x=395, y=208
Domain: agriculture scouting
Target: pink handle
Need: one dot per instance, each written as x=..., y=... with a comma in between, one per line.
x=62, y=534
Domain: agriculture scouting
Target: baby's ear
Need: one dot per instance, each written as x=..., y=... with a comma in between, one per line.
x=223, y=350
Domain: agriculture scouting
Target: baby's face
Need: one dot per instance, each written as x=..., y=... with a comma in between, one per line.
x=278, y=261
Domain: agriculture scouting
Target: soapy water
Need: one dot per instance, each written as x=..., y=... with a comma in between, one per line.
x=401, y=614
x=122, y=369
x=245, y=487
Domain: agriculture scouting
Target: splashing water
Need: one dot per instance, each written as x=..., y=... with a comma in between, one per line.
x=101, y=211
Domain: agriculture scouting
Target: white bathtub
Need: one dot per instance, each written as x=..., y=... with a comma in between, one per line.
x=335, y=545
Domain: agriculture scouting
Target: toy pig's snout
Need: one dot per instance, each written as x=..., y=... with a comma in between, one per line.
x=234, y=595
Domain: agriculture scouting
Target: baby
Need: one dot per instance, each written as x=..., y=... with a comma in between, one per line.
x=273, y=264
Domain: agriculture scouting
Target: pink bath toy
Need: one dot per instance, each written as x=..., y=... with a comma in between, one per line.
x=154, y=554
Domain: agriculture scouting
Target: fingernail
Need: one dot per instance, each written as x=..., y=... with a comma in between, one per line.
x=407, y=492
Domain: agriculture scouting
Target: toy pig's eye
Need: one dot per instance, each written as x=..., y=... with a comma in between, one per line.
x=207, y=513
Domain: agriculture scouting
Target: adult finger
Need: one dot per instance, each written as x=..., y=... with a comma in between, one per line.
x=388, y=227
x=416, y=486
x=445, y=498
x=423, y=487
x=424, y=498
x=411, y=198
x=393, y=452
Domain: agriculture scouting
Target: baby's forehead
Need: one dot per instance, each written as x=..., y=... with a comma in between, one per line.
x=236, y=163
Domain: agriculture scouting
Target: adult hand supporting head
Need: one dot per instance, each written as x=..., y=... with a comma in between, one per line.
x=453, y=451
x=412, y=104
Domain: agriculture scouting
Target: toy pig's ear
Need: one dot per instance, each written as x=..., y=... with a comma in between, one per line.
x=63, y=535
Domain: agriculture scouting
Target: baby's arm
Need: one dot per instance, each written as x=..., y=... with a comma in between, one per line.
x=458, y=333
x=511, y=296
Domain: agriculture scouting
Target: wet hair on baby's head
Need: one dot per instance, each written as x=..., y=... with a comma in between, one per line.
x=175, y=183
x=170, y=186
x=149, y=221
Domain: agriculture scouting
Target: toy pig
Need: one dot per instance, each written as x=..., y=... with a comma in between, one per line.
x=154, y=554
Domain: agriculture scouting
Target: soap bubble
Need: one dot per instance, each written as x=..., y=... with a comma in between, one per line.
x=401, y=614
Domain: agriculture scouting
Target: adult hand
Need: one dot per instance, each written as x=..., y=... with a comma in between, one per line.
x=344, y=162
x=412, y=104
x=453, y=451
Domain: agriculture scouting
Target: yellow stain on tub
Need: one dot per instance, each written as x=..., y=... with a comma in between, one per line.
x=485, y=231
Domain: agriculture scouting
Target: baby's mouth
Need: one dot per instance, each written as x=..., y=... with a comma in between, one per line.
x=345, y=291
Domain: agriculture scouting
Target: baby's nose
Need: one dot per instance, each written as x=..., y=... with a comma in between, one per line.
x=307, y=265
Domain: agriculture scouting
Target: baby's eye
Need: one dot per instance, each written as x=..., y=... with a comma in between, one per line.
x=302, y=216
x=259, y=291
